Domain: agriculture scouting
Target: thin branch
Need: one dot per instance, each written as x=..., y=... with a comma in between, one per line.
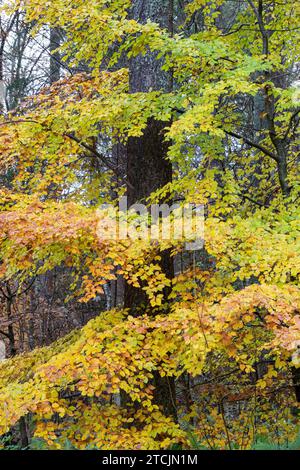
x=294, y=115
x=253, y=144
x=76, y=139
x=258, y=203
x=4, y=334
x=96, y=154
x=90, y=149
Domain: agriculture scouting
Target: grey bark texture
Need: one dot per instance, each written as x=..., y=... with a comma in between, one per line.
x=55, y=38
x=148, y=168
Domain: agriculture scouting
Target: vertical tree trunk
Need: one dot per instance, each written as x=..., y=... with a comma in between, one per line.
x=11, y=333
x=24, y=441
x=55, y=56
x=147, y=166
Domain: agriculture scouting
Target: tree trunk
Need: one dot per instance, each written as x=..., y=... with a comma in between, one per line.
x=24, y=440
x=147, y=166
x=55, y=56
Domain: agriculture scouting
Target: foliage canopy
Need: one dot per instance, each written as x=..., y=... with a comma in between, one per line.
x=238, y=305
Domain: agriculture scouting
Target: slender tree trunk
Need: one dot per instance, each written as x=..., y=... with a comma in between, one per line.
x=11, y=333
x=55, y=56
x=24, y=441
x=31, y=325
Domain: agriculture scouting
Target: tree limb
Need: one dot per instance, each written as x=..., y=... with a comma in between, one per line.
x=253, y=144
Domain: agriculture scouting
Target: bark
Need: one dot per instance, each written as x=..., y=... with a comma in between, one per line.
x=24, y=440
x=55, y=56
x=147, y=166
x=11, y=333
x=296, y=382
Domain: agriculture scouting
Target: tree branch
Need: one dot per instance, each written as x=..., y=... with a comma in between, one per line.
x=253, y=144
x=4, y=334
